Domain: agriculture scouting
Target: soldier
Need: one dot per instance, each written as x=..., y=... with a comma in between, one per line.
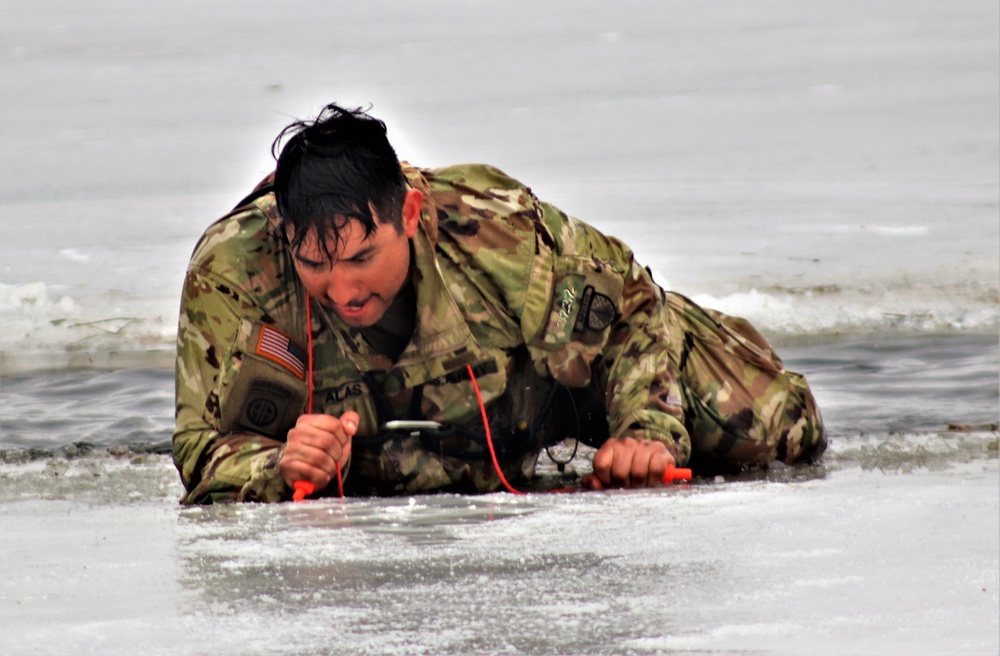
x=375, y=329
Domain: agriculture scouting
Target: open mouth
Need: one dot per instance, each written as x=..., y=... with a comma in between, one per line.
x=354, y=308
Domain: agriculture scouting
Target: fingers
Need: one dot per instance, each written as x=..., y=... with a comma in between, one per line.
x=350, y=421
x=627, y=455
x=316, y=446
x=658, y=463
x=638, y=473
x=295, y=467
x=306, y=462
x=628, y=463
x=346, y=424
x=331, y=434
x=603, y=461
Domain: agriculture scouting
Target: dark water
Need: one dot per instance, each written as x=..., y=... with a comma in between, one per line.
x=895, y=384
x=69, y=411
x=876, y=385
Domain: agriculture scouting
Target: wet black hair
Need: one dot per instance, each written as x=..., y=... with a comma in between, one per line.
x=332, y=170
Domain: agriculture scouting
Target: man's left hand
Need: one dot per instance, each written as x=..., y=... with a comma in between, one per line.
x=628, y=462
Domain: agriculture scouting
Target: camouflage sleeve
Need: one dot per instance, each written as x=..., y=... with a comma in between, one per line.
x=216, y=466
x=605, y=317
x=640, y=379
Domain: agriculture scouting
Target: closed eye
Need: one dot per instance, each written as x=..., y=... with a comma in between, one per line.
x=312, y=265
x=361, y=257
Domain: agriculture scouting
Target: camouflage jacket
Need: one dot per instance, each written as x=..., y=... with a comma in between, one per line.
x=502, y=279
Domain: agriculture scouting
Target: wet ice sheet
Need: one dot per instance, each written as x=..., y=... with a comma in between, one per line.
x=894, y=550
x=852, y=561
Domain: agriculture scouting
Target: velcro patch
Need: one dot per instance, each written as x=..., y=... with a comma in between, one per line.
x=279, y=347
x=264, y=406
x=347, y=390
x=597, y=311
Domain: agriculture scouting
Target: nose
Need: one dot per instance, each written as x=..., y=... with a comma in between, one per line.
x=342, y=288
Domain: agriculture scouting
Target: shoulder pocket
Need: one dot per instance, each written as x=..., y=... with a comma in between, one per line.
x=263, y=388
x=585, y=302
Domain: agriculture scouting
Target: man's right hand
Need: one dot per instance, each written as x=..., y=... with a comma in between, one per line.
x=316, y=446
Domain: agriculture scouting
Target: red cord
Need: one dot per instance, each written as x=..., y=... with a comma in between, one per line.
x=669, y=476
x=489, y=436
x=309, y=353
x=309, y=402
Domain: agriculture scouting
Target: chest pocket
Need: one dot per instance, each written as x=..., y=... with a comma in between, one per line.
x=586, y=301
x=263, y=390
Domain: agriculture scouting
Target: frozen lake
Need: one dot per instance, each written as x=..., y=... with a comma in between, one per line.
x=830, y=170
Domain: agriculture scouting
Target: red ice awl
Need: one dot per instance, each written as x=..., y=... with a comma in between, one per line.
x=302, y=490
x=676, y=474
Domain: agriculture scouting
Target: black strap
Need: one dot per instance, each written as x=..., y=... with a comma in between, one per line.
x=383, y=411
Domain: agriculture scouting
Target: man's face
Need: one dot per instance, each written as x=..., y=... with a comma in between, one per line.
x=364, y=275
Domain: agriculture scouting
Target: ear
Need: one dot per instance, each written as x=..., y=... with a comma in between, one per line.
x=411, y=212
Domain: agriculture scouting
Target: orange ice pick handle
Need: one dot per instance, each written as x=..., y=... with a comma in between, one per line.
x=302, y=490
x=676, y=474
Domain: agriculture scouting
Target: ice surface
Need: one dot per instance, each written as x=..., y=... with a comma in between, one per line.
x=850, y=561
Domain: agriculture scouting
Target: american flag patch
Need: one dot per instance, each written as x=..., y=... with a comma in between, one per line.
x=279, y=347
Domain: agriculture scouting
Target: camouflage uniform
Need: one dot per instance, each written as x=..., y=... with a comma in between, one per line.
x=557, y=320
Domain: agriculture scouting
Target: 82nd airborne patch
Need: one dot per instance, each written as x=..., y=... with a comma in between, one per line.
x=264, y=407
